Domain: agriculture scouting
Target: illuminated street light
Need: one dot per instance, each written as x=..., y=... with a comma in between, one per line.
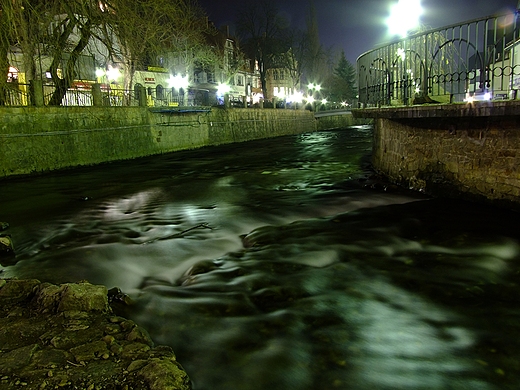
x=296, y=97
x=223, y=89
x=404, y=16
x=401, y=54
x=178, y=82
x=113, y=74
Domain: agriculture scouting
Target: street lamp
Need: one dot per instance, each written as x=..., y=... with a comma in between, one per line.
x=312, y=89
x=404, y=16
x=223, y=93
x=179, y=83
x=113, y=73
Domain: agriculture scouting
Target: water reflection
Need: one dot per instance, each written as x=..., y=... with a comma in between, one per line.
x=272, y=265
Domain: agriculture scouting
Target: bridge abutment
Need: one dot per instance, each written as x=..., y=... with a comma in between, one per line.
x=462, y=150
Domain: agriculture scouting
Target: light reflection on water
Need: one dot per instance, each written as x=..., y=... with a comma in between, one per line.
x=333, y=286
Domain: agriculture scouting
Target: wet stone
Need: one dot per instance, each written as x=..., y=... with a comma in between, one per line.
x=6, y=246
x=135, y=351
x=50, y=357
x=164, y=374
x=17, y=358
x=18, y=290
x=83, y=296
x=44, y=348
x=139, y=335
x=89, y=351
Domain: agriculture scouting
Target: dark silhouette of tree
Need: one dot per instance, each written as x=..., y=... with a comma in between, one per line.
x=341, y=84
x=265, y=35
x=146, y=29
x=314, y=57
x=60, y=33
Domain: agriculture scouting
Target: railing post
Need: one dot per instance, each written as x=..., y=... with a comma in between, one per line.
x=142, y=97
x=227, y=103
x=36, y=93
x=97, y=97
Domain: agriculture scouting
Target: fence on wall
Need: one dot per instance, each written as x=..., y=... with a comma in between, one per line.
x=104, y=95
x=474, y=60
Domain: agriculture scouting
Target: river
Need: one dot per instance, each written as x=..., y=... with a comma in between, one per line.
x=280, y=264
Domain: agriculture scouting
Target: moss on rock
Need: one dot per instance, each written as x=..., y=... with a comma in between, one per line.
x=68, y=337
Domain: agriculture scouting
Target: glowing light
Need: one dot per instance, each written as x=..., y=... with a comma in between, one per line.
x=296, y=97
x=279, y=92
x=478, y=97
x=100, y=72
x=315, y=87
x=223, y=89
x=113, y=74
x=404, y=16
x=323, y=101
x=310, y=99
x=178, y=82
x=401, y=53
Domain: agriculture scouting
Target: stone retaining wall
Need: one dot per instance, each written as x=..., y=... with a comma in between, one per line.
x=44, y=139
x=472, y=157
x=338, y=122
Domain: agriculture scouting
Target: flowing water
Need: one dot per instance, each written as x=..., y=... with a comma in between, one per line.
x=276, y=264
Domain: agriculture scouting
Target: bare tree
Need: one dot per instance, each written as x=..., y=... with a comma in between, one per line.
x=65, y=31
x=314, y=56
x=146, y=29
x=265, y=35
x=5, y=43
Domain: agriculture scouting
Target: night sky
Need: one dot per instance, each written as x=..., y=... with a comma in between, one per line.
x=356, y=26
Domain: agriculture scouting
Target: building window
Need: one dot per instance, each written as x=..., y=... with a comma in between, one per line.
x=240, y=80
x=159, y=90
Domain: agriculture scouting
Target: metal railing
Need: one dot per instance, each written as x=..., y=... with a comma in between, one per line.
x=477, y=59
x=19, y=95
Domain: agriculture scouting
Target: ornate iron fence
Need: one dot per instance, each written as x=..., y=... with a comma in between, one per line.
x=477, y=59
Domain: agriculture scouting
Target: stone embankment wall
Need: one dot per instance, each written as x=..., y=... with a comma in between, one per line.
x=470, y=152
x=342, y=121
x=43, y=139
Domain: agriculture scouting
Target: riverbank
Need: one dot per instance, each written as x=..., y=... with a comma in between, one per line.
x=43, y=139
x=68, y=336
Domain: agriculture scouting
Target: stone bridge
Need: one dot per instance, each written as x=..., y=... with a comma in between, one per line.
x=445, y=109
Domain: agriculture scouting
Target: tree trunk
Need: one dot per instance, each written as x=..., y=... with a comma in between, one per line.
x=63, y=84
x=4, y=60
